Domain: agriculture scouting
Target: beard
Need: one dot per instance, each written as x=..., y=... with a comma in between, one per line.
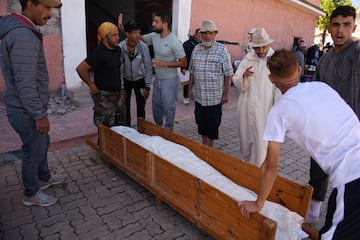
x=208, y=43
x=158, y=30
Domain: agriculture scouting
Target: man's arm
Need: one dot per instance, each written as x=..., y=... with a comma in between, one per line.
x=225, y=97
x=191, y=83
x=121, y=25
x=83, y=71
x=182, y=62
x=268, y=173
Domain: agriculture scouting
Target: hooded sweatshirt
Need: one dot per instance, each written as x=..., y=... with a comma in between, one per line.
x=23, y=66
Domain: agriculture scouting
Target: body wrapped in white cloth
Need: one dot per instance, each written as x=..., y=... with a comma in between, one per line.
x=288, y=222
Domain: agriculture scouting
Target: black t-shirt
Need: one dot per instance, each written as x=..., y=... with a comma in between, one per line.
x=106, y=65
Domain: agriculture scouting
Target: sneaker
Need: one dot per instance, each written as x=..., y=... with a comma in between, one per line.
x=39, y=199
x=186, y=101
x=55, y=179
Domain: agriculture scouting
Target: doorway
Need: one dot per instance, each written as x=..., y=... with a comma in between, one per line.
x=108, y=10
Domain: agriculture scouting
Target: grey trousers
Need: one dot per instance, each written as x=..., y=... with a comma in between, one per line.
x=164, y=101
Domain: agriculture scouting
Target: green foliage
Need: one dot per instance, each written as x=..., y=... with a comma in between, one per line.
x=328, y=6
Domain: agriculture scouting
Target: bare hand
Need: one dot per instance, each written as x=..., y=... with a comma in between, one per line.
x=191, y=94
x=224, y=98
x=247, y=207
x=93, y=89
x=158, y=63
x=43, y=125
x=248, y=72
x=146, y=94
x=123, y=93
x=120, y=19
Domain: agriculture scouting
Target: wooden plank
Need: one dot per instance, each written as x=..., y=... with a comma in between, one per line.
x=179, y=187
x=220, y=216
x=136, y=161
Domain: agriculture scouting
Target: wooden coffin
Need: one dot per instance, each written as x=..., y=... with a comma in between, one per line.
x=210, y=209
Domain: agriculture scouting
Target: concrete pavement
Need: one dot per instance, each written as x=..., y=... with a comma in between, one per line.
x=98, y=202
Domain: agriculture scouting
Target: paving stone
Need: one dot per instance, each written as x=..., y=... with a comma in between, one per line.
x=95, y=233
x=89, y=224
x=16, y=223
x=68, y=234
x=152, y=227
x=112, y=221
x=74, y=204
x=128, y=230
x=39, y=213
x=29, y=231
x=140, y=235
x=13, y=234
x=171, y=233
x=125, y=217
x=74, y=217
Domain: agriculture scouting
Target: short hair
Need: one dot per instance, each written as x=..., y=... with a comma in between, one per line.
x=164, y=16
x=282, y=63
x=197, y=30
x=344, y=11
x=131, y=26
x=23, y=3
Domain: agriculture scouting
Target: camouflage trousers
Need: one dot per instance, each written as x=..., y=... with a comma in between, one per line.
x=109, y=108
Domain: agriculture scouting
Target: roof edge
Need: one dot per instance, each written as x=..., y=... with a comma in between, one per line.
x=306, y=6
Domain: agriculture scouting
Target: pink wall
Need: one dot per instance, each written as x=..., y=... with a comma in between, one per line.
x=234, y=19
x=53, y=55
x=3, y=7
x=54, y=60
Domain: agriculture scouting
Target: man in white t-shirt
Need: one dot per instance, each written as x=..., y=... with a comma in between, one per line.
x=329, y=131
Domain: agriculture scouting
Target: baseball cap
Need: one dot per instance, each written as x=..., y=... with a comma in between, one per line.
x=48, y=3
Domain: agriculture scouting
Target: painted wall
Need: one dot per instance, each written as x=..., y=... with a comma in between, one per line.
x=65, y=47
x=74, y=39
x=52, y=44
x=281, y=20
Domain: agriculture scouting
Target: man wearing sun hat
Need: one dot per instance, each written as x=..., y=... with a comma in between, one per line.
x=27, y=94
x=257, y=95
x=210, y=75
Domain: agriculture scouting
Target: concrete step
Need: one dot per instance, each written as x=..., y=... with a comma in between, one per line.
x=80, y=96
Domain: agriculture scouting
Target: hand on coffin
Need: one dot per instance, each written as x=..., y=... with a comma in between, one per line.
x=247, y=207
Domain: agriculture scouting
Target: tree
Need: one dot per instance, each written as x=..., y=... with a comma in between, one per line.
x=328, y=6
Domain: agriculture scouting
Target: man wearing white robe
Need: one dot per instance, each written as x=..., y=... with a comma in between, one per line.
x=257, y=95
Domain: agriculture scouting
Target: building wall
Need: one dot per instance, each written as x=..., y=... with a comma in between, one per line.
x=65, y=37
x=281, y=20
x=52, y=44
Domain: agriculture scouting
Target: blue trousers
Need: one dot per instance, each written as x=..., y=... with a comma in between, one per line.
x=35, y=146
x=164, y=101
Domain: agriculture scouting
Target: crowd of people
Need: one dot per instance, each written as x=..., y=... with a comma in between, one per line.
x=274, y=101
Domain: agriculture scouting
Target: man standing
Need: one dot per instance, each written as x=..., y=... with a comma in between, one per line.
x=210, y=74
x=340, y=69
x=26, y=77
x=329, y=131
x=301, y=52
x=169, y=55
x=189, y=46
x=136, y=68
x=257, y=95
x=107, y=90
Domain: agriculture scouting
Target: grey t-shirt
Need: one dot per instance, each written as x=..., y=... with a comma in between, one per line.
x=167, y=49
x=341, y=70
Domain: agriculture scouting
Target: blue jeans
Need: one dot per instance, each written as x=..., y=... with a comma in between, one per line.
x=35, y=146
x=164, y=101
